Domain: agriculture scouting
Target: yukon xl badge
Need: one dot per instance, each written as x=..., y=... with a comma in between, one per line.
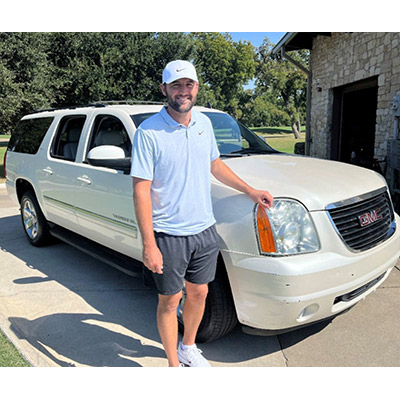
x=370, y=217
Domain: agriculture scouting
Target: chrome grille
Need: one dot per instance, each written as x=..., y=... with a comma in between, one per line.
x=365, y=221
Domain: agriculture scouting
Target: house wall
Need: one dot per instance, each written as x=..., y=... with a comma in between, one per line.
x=346, y=58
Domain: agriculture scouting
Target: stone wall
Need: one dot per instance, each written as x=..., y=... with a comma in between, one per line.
x=346, y=58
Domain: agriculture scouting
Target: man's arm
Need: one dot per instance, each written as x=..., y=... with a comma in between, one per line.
x=225, y=175
x=152, y=257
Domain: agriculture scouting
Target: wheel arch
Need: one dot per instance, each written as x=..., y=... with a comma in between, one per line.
x=23, y=186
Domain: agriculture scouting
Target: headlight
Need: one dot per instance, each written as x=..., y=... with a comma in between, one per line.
x=286, y=228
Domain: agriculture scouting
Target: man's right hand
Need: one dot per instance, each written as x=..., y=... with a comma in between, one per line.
x=152, y=259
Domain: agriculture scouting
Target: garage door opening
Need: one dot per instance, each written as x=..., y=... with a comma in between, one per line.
x=353, y=123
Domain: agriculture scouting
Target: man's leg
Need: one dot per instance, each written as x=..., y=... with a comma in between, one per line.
x=193, y=310
x=167, y=323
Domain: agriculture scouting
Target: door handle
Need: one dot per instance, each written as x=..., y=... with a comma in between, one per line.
x=84, y=179
x=48, y=170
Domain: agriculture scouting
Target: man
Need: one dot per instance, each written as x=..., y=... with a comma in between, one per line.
x=173, y=154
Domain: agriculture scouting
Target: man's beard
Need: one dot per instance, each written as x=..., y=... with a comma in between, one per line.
x=181, y=108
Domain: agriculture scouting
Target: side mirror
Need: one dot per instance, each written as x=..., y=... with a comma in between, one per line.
x=109, y=157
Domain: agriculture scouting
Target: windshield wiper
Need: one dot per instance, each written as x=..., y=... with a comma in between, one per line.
x=231, y=155
x=252, y=151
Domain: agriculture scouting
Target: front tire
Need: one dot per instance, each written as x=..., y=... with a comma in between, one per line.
x=219, y=315
x=33, y=221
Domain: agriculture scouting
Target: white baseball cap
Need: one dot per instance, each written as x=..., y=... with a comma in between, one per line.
x=179, y=69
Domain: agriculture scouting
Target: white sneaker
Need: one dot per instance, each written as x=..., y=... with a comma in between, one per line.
x=191, y=356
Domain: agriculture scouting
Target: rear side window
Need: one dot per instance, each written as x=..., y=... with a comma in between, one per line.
x=29, y=134
x=65, y=143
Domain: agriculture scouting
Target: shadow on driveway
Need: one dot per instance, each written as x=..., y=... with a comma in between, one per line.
x=122, y=322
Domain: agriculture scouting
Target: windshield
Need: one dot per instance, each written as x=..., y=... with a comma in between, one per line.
x=233, y=138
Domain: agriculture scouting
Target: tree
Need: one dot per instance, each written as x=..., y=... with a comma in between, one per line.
x=10, y=95
x=286, y=83
x=113, y=66
x=223, y=66
x=25, y=76
x=42, y=70
x=261, y=110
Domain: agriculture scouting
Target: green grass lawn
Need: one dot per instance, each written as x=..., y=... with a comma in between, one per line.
x=3, y=147
x=9, y=356
x=280, y=138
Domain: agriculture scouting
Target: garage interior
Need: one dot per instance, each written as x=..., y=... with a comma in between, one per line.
x=354, y=123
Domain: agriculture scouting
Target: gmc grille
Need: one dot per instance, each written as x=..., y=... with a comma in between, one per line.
x=365, y=221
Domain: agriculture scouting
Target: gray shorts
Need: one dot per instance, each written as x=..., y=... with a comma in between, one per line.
x=192, y=258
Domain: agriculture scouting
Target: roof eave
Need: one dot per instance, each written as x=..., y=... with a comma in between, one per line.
x=283, y=42
x=298, y=41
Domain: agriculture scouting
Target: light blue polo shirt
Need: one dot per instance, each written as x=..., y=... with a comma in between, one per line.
x=178, y=162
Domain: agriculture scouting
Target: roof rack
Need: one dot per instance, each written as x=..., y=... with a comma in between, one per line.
x=60, y=108
x=101, y=104
x=128, y=102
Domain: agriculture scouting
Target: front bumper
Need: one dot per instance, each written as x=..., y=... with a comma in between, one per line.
x=279, y=293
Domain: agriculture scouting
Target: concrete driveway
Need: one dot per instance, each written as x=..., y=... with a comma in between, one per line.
x=61, y=307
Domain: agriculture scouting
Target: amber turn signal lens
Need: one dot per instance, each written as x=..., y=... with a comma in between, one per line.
x=265, y=234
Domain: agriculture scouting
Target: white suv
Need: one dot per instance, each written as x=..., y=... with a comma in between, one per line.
x=329, y=240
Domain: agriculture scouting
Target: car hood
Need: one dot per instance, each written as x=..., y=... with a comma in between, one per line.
x=314, y=182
